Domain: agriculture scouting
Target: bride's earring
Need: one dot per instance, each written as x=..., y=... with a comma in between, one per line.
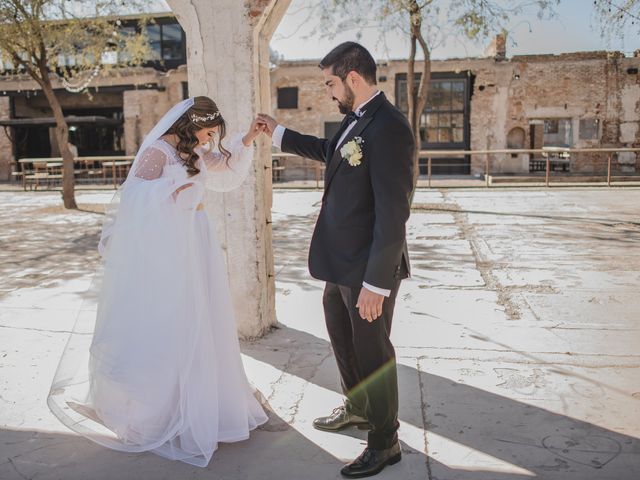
x=209, y=146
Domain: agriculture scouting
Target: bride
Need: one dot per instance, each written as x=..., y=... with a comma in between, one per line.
x=162, y=370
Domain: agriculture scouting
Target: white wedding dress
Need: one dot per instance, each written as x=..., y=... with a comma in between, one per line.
x=162, y=370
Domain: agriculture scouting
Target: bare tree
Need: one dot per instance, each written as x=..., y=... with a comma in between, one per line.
x=618, y=17
x=58, y=40
x=426, y=23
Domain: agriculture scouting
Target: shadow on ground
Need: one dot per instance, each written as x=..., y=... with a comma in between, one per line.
x=547, y=444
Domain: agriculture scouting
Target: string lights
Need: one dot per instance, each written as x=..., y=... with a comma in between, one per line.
x=82, y=85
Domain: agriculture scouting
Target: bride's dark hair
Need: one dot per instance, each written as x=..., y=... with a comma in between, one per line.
x=203, y=114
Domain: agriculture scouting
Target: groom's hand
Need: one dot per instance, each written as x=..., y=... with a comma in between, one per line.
x=269, y=122
x=369, y=304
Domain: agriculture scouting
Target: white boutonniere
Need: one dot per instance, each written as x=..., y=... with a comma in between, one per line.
x=352, y=151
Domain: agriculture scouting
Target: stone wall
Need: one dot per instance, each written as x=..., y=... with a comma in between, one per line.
x=507, y=96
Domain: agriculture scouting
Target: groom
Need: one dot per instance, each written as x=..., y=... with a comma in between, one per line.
x=358, y=246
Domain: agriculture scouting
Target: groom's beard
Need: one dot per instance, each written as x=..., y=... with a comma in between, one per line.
x=345, y=106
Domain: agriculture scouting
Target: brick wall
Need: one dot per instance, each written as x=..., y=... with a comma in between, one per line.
x=509, y=94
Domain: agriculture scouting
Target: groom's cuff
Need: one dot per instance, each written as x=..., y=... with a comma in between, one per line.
x=379, y=291
x=276, y=137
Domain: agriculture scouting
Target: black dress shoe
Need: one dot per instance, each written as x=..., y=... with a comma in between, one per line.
x=340, y=419
x=371, y=462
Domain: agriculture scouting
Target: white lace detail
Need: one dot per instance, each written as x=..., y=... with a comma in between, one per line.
x=151, y=164
x=161, y=159
x=169, y=150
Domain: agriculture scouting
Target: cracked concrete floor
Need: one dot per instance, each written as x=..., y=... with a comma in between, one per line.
x=517, y=340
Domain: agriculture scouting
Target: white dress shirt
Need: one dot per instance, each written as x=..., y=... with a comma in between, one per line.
x=276, y=139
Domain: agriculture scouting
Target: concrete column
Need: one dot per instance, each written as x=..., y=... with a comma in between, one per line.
x=228, y=61
x=6, y=149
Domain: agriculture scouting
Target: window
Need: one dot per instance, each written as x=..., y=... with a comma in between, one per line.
x=444, y=123
x=331, y=128
x=443, y=119
x=167, y=43
x=288, y=97
x=125, y=33
x=550, y=126
x=171, y=41
x=551, y=132
x=154, y=33
x=589, y=128
x=557, y=132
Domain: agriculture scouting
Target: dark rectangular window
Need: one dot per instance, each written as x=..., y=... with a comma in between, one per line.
x=171, y=41
x=167, y=42
x=154, y=32
x=589, y=128
x=288, y=97
x=331, y=128
x=551, y=126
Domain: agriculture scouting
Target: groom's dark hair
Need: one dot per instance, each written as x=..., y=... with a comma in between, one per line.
x=351, y=56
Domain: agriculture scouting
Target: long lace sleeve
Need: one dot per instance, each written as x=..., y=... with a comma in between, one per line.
x=151, y=164
x=223, y=175
x=155, y=165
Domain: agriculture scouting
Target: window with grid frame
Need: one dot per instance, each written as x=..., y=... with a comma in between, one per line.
x=442, y=123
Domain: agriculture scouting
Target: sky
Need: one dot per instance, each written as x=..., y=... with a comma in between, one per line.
x=575, y=28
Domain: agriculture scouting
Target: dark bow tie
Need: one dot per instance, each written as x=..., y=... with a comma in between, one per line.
x=351, y=117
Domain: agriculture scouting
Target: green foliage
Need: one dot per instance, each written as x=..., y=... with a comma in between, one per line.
x=68, y=37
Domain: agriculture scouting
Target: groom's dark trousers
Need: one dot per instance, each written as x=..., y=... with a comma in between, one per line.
x=366, y=361
x=360, y=238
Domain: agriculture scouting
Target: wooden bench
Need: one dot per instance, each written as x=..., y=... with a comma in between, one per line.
x=44, y=172
x=48, y=171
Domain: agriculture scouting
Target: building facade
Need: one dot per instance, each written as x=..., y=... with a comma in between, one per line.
x=110, y=117
x=577, y=100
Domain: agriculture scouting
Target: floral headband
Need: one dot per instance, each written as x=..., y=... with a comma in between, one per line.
x=204, y=118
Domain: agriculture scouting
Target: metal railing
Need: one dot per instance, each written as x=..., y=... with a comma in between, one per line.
x=546, y=153
x=278, y=168
x=113, y=164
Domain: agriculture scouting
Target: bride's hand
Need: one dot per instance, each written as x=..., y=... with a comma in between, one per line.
x=183, y=187
x=256, y=128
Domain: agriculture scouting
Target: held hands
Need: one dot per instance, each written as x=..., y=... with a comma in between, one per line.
x=263, y=123
x=270, y=123
x=256, y=128
x=369, y=305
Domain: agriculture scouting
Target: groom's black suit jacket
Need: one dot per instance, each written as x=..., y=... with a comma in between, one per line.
x=360, y=232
